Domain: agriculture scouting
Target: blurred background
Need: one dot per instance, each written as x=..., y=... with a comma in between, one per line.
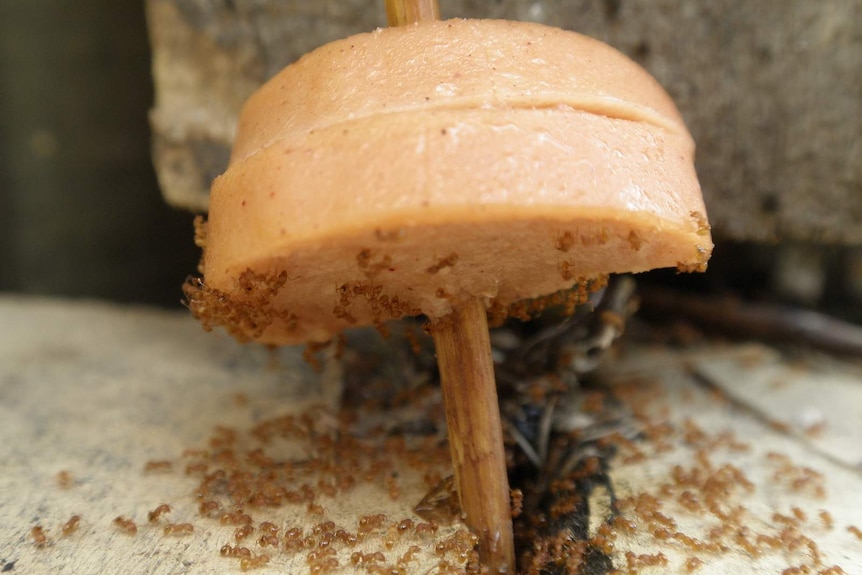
x=93, y=92
x=80, y=209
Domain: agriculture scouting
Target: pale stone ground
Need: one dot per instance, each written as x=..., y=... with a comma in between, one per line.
x=99, y=390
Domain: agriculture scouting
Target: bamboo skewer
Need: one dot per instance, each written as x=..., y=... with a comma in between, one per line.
x=470, y=396
x=475, y=431
x=404, y=12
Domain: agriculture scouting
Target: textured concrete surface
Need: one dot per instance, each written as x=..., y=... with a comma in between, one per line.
x=101, y=391
x=770, y=90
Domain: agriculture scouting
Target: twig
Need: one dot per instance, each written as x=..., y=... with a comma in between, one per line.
x=760, y=321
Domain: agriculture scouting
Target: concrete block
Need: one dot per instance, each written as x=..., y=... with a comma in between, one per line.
x=771, y=90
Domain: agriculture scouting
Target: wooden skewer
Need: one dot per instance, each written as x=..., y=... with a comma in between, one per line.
x=470, y=396
x=475, y=431
x=404, y=12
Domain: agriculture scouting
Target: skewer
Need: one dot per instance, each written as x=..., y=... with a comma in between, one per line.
x=404, y=12
x=470, y=395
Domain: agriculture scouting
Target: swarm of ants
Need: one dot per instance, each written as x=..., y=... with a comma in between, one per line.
x=555, y=419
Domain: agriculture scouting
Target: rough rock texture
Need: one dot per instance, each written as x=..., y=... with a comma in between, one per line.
x=771, y=90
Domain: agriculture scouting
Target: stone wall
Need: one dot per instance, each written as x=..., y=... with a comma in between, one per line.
x=771, y=90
